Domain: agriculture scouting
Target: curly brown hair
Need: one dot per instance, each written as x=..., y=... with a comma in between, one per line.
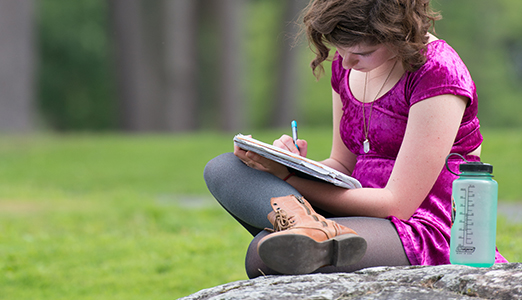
x=403, y=24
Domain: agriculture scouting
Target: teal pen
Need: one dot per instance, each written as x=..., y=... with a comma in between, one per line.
x=294, y=133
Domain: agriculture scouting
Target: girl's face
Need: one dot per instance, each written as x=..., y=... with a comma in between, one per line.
x=365, y=58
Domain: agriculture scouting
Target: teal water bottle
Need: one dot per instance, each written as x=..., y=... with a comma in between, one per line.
x=474, y=215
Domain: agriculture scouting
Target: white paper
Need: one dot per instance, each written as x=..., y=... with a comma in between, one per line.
x=297, y=162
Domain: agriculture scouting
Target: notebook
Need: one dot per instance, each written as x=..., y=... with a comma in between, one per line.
x=297, y=162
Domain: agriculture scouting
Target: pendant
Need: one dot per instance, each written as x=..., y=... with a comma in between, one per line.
x=366, y=146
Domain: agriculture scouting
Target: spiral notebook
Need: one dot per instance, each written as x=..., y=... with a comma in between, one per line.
x=297, y=162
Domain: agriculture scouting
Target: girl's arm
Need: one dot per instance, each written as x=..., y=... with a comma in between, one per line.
x=430, y=133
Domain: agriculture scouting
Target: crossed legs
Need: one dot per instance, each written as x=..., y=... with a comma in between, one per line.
x=245, y=193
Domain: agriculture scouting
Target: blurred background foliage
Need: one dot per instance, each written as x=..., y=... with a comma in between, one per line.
x=77, y=78
x=76, y=85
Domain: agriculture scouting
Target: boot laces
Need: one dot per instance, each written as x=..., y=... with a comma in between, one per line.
x=282, y=221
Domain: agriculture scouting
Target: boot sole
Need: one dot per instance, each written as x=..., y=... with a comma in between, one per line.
x=299, y=254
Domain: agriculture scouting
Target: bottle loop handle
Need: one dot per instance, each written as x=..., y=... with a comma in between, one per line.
x=447, y=166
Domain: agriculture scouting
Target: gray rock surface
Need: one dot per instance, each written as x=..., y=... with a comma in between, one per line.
x=502, y=281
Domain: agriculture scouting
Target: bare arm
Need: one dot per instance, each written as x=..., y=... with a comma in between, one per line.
x=432, y=126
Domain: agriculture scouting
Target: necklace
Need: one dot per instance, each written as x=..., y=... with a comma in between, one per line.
x=366, y=129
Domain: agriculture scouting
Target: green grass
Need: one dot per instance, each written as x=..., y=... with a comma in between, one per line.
x=106, y=216
x=129, y=216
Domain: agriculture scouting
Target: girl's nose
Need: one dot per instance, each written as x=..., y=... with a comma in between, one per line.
x=349, y=60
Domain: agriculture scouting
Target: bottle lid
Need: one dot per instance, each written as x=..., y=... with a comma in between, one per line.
x=476, y=166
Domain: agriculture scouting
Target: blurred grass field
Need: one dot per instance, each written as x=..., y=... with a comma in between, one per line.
x=110, y=216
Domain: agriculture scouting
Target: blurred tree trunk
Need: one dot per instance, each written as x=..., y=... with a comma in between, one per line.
x=137, y=79
x=157, y=63
x=285, y=106
x=230, y=74
x=17, y=65
x=180, y=25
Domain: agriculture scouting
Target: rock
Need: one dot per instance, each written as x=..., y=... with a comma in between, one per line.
x=502, y=281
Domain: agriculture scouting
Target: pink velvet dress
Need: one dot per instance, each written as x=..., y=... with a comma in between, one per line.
x=426, y=234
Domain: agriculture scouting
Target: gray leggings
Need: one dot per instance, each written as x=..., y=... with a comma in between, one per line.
x=245, y=193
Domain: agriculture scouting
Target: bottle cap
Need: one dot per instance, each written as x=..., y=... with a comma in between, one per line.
x=476, y=166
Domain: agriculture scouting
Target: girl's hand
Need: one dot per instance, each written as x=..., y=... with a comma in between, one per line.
x=286, y=142
x=258, y=162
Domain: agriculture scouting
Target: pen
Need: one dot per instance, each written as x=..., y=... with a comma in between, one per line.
x=294, y=133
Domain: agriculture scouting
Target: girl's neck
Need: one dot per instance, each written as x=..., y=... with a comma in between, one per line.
x=385, y=69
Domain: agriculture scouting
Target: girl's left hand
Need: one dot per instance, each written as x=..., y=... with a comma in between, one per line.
x=261, y=163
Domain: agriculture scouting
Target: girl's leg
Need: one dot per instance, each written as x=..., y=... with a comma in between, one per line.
x=244, y=192
x=384, y=247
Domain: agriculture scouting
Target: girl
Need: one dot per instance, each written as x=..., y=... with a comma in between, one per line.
x=402, y=101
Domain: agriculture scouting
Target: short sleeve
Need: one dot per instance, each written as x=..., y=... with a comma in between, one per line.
x=443, y=73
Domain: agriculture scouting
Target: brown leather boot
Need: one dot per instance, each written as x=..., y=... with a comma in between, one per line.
x=304, y=241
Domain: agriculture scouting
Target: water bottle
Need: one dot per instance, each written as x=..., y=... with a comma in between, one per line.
x=474, y=215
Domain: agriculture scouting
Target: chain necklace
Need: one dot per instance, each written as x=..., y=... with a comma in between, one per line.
x=366, y=143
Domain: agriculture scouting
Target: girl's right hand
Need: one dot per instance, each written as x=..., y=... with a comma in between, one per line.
x=287, y=142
